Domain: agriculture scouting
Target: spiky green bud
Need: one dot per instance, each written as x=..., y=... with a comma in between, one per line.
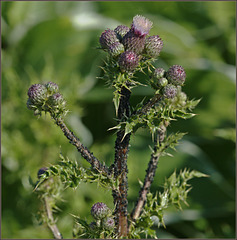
x=56, y=99
x=51, y=87
x=121, y=31
x=158, y=73
x=153, y=46
x=116, y=49
x=162, y=82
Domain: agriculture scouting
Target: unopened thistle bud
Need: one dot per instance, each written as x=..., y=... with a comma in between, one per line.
x=128, y=61
x=162, y=82
x=159, y=73
x=133, y=42
x=121, y=31
x=116, y=49
x=141, y=26
x=56, y=99
x=176, y=75
x=153, y=46
x=107, y=38
x=108, y=223
x=37, y=93
x=99, y=210
x=169, y=91
x=51, y=87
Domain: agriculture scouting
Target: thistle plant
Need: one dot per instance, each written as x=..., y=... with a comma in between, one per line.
x=129, y=50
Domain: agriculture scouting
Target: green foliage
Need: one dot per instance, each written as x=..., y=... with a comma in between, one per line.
x=175, y=192
x=71, y=175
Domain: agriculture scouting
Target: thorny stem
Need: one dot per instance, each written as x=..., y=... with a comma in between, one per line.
x=150, y=174
x=85, y=153
x=120, y=167
x=146, y=107
x=51, y=223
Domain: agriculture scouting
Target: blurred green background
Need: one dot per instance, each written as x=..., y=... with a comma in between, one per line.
x=57, y=41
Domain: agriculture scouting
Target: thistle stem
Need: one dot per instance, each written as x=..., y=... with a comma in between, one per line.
x=150, y=174
x=146, y=107
x=120, y=167
x=51, y=223
x=85, y=153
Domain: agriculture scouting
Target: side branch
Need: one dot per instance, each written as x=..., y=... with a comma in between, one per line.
x=150, y=174
x=151, y=170
x=85, y=153
x=51, y=224
x=146, y=107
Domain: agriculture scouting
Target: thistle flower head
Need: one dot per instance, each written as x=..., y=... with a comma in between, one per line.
x=176, y=75
x=99, y=210
x=153, y=46
x=37, y=93
x=133, y=42
x=56, y=99
x=108, y=223
x=128, y=61
x=121, y=31
x=115, y=49
x=107, y=38
x=159, y=73
x=141, y=25
x=170, y=91
x=51, y=87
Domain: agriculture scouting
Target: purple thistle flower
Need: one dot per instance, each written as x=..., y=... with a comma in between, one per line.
x=37, y=93
x=99, y=210
x=153, y=46
x=121, y=31
x=107, y=38
x=170, y=91
x=141, y=25
x=128, y=61
x=108, y=223
x=176, y=75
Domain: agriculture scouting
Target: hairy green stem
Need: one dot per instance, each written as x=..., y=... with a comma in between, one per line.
x=85, y=153
x=51, y=222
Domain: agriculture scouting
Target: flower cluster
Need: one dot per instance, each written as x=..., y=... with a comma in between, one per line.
x=130, y=45
x=168, y=81
x=45, y=97
x=102, y=214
